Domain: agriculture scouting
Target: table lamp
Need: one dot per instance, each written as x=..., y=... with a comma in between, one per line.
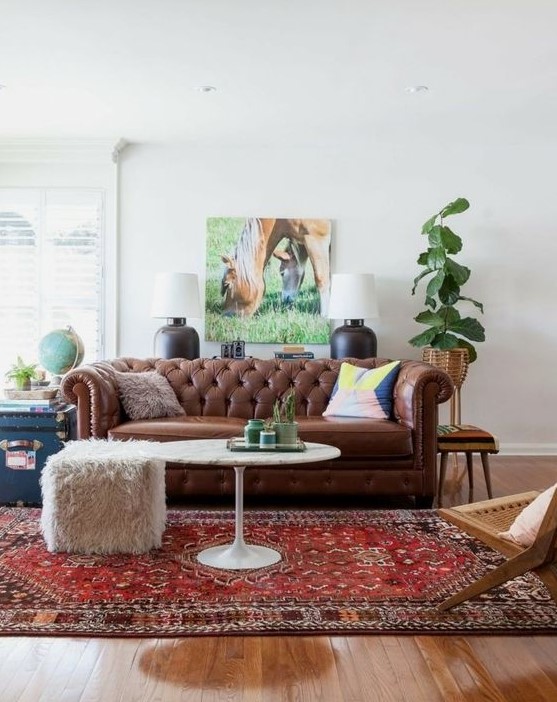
x=176, y=297
x=353, y=299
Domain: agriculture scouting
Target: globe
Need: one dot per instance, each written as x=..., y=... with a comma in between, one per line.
x=61, y=350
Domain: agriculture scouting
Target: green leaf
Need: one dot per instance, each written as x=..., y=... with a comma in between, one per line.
x=451, y=241
x=434, y=237
x=469, y=328
x=459, y=205
x=422, y=258
x=431, y=318
x=449, y=315
x=472, y=355
x=418, y=278
x=445, y=341
x=423, y=339
x=431, y=302
x=435, y=283
x=449, y=292
x=458, y=272
x=474, y=302
x=436, y=258
x=429, y=224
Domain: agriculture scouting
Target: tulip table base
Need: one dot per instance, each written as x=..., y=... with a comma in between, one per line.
x=239, y=555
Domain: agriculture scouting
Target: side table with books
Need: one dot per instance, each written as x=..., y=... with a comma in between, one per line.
x=30, y=431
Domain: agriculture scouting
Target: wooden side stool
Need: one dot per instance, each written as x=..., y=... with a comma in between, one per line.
x=467, y=439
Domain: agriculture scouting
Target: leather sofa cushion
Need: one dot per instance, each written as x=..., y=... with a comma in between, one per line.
x=356, y=438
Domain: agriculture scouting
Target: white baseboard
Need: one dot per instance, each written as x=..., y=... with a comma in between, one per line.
x=528, y=450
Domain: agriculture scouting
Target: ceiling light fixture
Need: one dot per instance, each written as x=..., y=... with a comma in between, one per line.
x=416, y=89
x=205, y=89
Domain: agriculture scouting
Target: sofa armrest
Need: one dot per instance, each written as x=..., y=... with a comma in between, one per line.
x=94, y=391
x=419, y=388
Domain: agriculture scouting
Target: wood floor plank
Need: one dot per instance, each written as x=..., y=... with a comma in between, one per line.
x=299, y=668
x=433, y=654
x=413, y=675
x=518, y=674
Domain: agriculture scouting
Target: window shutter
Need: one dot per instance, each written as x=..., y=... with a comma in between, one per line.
x=51, y=246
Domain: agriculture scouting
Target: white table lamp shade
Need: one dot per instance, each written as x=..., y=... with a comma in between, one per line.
x=353, y=296
x=176, y=295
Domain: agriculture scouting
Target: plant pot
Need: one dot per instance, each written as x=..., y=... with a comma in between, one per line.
x=252, y=430
x=453, y=361
x=22, y=383
x=287, y=432
x=267, y=439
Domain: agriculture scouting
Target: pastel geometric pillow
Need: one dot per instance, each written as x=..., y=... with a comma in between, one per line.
x=363, y=392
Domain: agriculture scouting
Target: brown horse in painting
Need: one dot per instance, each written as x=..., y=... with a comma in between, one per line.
x=243, y=283
x=292, y=269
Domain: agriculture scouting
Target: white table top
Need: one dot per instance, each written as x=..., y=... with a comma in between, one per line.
x=214, y=452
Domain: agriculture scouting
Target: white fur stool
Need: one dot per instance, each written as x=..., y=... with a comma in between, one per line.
x=104, y=497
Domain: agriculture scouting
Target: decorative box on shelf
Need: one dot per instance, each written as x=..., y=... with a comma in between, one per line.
x=239, y=444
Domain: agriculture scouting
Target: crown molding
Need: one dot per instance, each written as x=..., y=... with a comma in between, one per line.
x=61, y=150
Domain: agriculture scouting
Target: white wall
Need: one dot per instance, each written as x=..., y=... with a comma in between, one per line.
x=378, y=196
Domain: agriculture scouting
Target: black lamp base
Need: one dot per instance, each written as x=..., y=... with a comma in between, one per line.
x=176, y=340
x=354, y=340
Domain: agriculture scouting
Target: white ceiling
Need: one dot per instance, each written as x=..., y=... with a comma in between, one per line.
x=287, y=71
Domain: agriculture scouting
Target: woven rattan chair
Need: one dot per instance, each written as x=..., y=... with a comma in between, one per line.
x=485, y=520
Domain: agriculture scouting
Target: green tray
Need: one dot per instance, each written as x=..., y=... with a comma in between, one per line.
x=238, y=444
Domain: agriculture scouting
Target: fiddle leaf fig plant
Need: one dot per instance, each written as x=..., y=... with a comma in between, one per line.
x=447, y=329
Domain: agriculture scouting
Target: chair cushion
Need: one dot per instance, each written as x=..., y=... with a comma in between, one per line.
x=525, y=527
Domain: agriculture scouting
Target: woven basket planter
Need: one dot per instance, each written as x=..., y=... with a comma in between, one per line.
x=453, y=361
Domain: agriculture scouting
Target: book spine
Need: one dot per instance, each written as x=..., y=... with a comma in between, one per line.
x=292, y=356
x=32, y=408
x=29, y=403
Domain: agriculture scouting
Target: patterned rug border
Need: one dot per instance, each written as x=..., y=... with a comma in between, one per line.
x=521, y=607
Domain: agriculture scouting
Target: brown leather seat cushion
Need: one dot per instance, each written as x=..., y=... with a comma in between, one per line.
x=354, y=437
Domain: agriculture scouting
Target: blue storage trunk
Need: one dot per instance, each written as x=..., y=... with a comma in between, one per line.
x=27, y=438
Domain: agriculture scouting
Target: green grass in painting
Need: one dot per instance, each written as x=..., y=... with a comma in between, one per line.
x=272, y=323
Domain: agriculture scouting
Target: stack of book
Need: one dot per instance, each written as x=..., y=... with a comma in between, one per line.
x=52, y=405
x=291, y=352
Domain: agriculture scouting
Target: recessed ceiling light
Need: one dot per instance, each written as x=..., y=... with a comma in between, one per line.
x=416, y=89
x=205, y=88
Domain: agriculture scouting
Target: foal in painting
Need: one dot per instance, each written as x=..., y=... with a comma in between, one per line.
x=243, y=282
x=292, y=270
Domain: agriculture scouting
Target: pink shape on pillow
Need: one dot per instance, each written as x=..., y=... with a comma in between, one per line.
x=355, y=403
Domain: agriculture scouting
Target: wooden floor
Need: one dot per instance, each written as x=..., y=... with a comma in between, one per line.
x=327, y=668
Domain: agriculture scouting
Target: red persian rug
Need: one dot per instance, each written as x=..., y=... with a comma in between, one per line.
x=342, y=572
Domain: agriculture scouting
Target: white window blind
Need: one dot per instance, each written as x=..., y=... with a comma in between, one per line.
x=51, y=256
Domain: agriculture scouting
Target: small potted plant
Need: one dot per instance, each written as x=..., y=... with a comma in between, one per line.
x=268, y=436
x=22, y=373
x=284, y=419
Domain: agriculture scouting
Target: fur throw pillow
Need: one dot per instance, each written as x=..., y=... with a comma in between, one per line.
x=147, y=395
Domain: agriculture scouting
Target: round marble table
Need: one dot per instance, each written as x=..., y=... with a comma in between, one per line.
x=239, y=555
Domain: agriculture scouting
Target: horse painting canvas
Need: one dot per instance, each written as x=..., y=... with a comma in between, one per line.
x=268, y=280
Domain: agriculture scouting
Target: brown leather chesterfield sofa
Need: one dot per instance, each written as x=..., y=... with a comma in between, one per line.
x=379, y=456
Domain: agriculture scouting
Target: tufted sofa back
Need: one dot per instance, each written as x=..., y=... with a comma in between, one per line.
x=245, y=388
